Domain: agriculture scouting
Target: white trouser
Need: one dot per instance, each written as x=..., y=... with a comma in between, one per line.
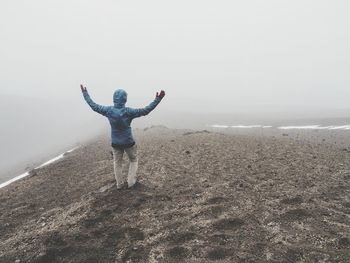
x=118, y=162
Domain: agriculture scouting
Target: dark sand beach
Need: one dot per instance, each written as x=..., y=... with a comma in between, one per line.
x=202, y=197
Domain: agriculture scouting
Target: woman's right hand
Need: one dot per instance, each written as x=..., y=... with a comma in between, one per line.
x=83, y=89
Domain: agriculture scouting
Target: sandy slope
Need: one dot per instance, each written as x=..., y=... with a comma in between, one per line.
x=203, y=197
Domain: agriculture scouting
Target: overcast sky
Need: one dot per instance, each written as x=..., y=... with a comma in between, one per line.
x=208, y=55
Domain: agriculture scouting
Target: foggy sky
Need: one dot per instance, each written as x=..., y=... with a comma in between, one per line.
x=213, y=56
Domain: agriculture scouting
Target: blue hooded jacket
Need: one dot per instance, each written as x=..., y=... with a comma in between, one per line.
x=119, y=116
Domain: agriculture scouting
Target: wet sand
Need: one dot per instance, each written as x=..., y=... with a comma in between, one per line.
x=202, y=197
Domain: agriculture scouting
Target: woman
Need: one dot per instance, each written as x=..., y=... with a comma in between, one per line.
x=120, y=118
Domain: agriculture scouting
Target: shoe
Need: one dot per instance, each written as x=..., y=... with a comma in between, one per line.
x=135, y=185
x=122, y=186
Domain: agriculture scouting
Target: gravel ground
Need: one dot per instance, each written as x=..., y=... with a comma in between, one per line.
x=201, y=197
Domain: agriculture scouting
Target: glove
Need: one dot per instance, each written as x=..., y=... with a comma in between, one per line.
x=161, y=94
x=83, y=89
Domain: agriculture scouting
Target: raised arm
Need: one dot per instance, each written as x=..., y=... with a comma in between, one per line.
x=94, y=106
x=135, y=113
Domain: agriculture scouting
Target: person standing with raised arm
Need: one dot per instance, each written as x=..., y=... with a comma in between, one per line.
x=120, y=118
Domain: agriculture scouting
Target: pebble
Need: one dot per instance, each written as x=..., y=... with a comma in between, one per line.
x=17, y=261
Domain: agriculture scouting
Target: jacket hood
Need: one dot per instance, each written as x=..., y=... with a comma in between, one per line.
x=119, y=98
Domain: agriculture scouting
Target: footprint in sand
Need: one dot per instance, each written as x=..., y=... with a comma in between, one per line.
x=134, y=254
x=221, y=239
x=295, y=215
x=177, y=253
x=216, y=210
x=216, y=200
x=218, y=253
x=292, y=201
x=91, y=222
x=344, y=242
x=180, y=238
x=134, y=233
x=229, y=224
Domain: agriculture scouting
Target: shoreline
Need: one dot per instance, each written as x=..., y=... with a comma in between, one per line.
x=289, y=127
x=21, y=176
